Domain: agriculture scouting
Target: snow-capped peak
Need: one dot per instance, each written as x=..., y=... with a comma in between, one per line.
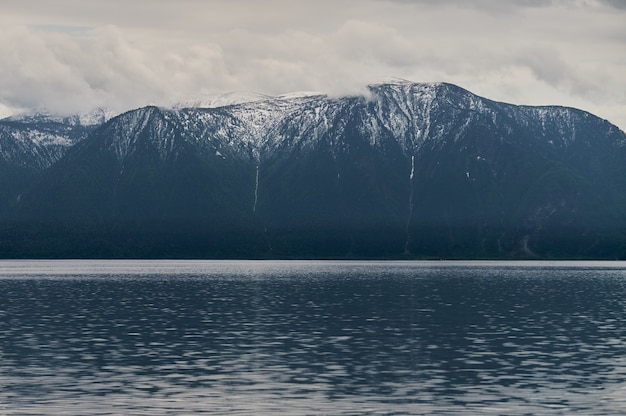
x=406, y=82
x=93, y=117
x=238, y=98
x=96, y=116
x=300, y=94
x=221, y=100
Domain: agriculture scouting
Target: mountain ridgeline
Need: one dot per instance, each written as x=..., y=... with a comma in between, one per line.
x=409, y=171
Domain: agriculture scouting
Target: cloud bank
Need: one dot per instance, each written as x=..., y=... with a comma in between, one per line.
x=70, y=55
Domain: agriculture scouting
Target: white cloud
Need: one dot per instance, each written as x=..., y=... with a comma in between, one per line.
x=64, y=72
x=71, y=54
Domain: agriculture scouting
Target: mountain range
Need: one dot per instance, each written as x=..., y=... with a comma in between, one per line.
x=410, y=170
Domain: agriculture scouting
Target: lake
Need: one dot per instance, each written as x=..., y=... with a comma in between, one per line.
x=312, y=338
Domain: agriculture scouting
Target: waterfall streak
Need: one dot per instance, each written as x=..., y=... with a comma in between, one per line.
x=256, y=189
x=408, y=220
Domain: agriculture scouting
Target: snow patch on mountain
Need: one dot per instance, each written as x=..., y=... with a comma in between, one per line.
x=238, y=98
x=221, y=100
x=395, y=113
x=93, y=117
x=38, y=138
x=409, y=114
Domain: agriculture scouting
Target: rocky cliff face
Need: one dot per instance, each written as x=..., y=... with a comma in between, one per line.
x=412, y=170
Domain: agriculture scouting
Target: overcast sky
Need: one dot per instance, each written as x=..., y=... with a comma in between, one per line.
x=68, y=55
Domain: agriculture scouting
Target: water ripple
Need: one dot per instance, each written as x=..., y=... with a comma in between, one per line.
x=312, y=338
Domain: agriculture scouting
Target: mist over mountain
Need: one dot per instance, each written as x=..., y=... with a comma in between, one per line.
x=410, y=171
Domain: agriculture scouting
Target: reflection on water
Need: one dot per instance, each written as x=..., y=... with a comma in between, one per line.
x=255, y=338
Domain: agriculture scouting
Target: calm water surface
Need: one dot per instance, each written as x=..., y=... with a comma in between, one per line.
x=307, y=338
